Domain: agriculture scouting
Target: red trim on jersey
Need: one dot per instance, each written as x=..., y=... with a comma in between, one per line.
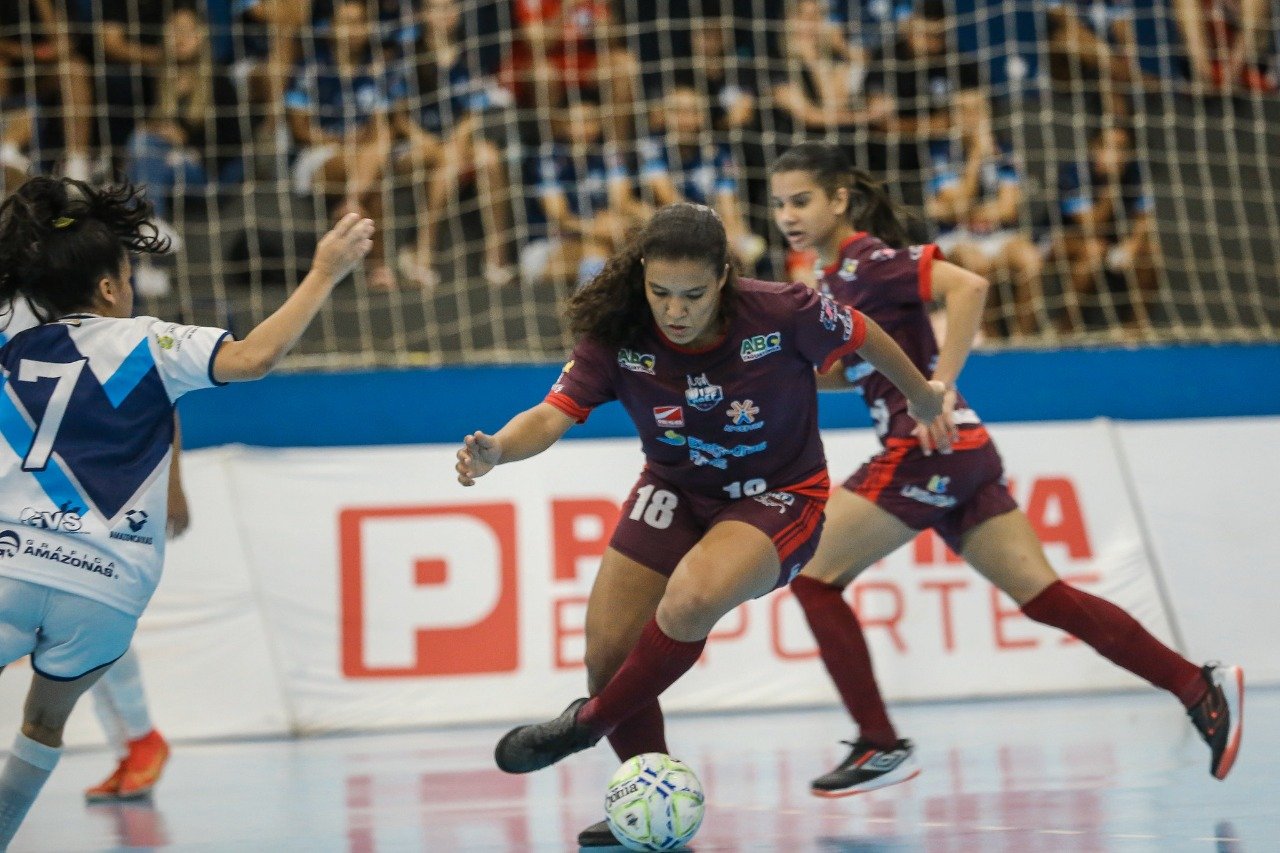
x=689, y=350
x=970, y=439
x=883, y=467
x=565, y=403
x=795, y=534
x=856, y=340
x=925, y=275
x=844, y=244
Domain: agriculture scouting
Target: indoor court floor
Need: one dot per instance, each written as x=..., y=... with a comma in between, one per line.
x=1096, y=773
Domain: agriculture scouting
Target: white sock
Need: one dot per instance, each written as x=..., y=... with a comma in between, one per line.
x=104, y=708
x=121, y=686
x=25, y=772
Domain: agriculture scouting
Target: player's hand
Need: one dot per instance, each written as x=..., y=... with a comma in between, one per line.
x=179, y=515
x=477, y=456
x=343, y=247
x=935, y=418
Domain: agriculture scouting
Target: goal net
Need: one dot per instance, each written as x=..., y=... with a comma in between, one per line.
x=1111, y=167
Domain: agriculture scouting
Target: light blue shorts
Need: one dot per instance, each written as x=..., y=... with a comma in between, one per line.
x=66, y=635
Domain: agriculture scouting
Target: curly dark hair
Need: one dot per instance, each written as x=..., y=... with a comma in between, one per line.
x=612, y=308
x=60, y=237
x=870, y=208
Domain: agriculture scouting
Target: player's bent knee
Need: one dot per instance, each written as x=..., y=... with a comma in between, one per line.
x=43, y=733
x=688, y=614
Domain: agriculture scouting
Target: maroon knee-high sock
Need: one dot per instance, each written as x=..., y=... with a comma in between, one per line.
x=642, y=732
x=1118, y=637
x=654, y=664
x=844, y=651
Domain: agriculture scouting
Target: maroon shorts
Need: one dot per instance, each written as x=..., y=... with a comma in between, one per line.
x=952, y=493
x=660, y=523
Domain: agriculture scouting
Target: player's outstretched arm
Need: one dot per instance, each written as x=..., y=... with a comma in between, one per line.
x=527, y=434
x=261, y=350
x=924, y=396
x=963, y=296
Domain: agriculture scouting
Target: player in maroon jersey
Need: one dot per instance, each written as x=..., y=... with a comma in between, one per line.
x=822, y=203
x=717, y=373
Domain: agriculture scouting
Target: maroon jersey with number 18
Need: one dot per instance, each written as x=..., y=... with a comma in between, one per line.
x=743, y=409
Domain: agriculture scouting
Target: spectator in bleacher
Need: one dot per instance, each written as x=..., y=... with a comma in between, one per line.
x=825, y=73
x=919, y=75
x=191, y=137
x=566, y=48
x=339, y=112
x=266, y=45
x=684, y=164
x=730, y=86
x=1109, y=234
x=1227, y=43
x=1093, y=53
x=975, y=196
x=915, y=82
x=585, y=201
x=41, y=71
x=463, y=113
x=131, y=51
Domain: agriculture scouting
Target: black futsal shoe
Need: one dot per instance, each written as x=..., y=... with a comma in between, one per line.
x=1219, y=716
x=525, y=749
x=867, y=768
x=598, y=835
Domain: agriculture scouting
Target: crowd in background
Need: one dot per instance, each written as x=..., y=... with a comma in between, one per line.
x=561, y=124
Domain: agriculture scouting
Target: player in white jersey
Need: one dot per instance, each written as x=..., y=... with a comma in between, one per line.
x=86, y=428
x=119, y=698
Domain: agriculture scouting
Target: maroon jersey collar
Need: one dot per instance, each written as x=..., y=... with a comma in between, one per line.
x=845, y=244
x=690, y=350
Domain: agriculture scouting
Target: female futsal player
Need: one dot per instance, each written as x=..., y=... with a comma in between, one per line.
x=718, y=516
x=119, y=697
x=822, y=203
x=86, y=415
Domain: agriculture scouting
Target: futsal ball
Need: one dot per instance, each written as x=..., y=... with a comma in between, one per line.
x=654, y=802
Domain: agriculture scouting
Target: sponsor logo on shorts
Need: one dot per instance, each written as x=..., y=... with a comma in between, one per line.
x=933, y=494
x=781, y=501
x=758, y=346
x=636, y=362
x=702, y=394
x=848, y=269
x=67, y=518
x=743, y=413
x=137, y=520
x=669, y=416
x=9, y=542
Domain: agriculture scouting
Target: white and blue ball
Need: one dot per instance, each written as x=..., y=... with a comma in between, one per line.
x=654, y=802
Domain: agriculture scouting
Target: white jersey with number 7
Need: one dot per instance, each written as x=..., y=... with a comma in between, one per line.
x=86, y=431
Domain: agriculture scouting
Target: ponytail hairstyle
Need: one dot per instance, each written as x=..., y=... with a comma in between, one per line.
x=612, y=307
x=60, y=237
x=870, y=208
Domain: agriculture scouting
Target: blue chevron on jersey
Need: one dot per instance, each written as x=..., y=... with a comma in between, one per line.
x=112, y=439
x=135, y=367
x=17, y=431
